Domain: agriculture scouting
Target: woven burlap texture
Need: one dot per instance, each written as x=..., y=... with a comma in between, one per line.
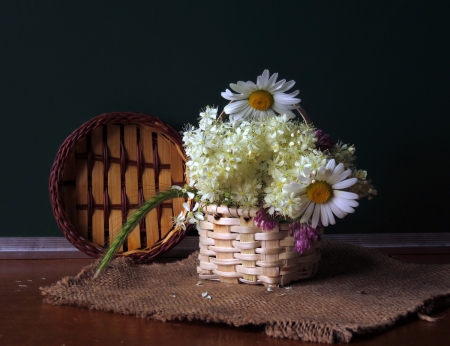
x=356, y=291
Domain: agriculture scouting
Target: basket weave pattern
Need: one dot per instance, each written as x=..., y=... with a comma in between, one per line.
x=105, y=170
x=233, y=249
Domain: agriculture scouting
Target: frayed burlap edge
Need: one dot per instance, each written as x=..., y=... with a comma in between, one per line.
x=332, y=333
x=301, y=329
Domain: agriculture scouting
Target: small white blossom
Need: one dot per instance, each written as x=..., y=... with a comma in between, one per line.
x=193, y=216
x=180, y=221
x=184, y=191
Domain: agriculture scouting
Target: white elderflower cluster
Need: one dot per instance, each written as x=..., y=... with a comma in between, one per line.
x=247, y=164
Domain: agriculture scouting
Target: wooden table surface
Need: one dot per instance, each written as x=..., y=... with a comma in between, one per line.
x=26, y=320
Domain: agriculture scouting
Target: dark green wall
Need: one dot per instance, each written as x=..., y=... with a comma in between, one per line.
x=370, y=73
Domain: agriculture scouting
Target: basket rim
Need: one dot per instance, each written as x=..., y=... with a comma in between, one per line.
x=61, y=216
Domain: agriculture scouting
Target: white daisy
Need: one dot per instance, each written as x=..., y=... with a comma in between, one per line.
x=322, y=195
x=263, y=99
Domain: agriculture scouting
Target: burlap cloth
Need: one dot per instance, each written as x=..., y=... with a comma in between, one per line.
x=357, y=290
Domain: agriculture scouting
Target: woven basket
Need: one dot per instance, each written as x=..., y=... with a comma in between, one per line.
x=233, y=250
x=105, y=170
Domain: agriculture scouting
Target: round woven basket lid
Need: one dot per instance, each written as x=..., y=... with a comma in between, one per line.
x=105, y=170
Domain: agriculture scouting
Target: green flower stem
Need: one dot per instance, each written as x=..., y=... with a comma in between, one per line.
x=133, y=222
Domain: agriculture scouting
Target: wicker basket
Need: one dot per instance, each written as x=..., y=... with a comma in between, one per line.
x=104, y=170
x=233, y=249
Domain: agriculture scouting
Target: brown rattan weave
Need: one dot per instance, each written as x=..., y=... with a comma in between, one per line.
x=105, y=170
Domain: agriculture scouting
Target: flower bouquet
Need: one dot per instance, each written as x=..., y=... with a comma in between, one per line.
x=262, y=185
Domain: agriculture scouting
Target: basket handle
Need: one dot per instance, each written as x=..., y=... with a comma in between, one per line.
x=299, y=109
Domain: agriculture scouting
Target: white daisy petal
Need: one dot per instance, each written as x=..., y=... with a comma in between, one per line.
x=280, y=109
x=235, y=117
x=286, y=86
x=247, y=87
x=247, y=112
x=333, y=179
x=339, y=168
x=344, y=184
x=285, y=99
x=331, y=219
x=252, y=86
x=336, y=210
x=302, y=179
x=264, y=114
x=294, y=187
x=270, y=113
x=276, y=86
x=236, y=107
x=345, y=194
x=240, y=88
x=307, y=215
x=259, y=82
x=233, y=97
x=343, y=175
x=316, y=216
x=304, y=204
x=241, y=113
x=227, y=93
x=331, y=164
x=342, y=204
x=323, y=214
x=271, y=81
x=265, y=75
x=352, y=203
x=294, y=93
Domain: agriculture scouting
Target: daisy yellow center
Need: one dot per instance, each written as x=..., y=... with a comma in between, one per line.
x=260, y=100
x=319, y=192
